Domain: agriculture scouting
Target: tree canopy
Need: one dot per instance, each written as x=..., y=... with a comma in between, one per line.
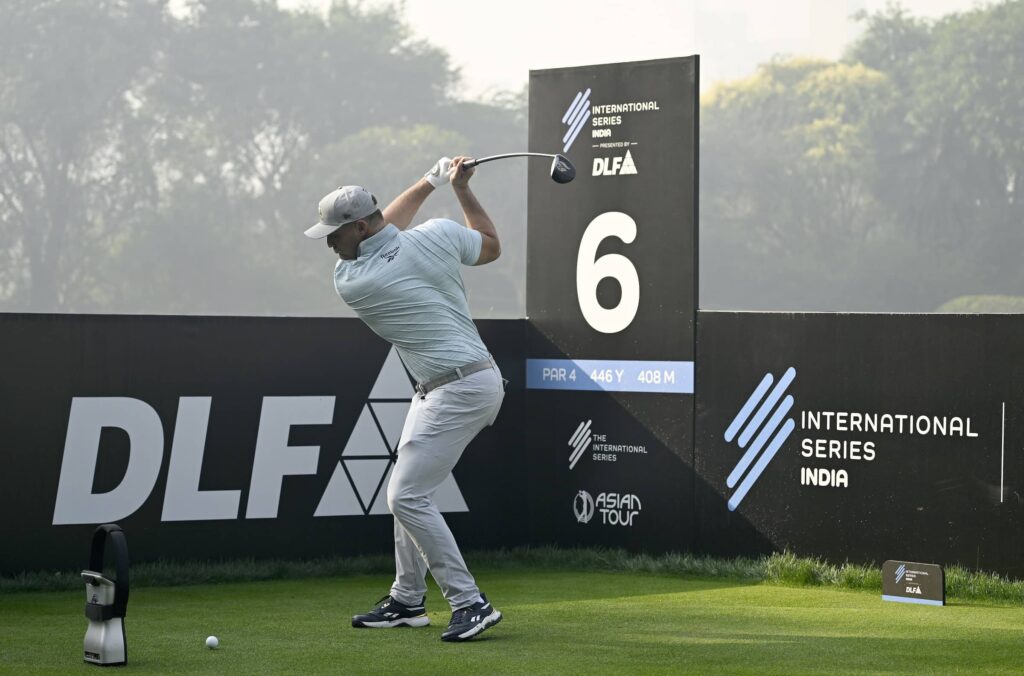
x=166, y=162
x=152, y=162
x=889, y=180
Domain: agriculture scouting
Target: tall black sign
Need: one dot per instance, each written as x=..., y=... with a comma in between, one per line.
x=611, y=299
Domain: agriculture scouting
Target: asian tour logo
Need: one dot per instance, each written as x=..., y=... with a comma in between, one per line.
x=770, y=436
x=583, y=507
x=900, y=572
x=616, y=509
x=575, y=118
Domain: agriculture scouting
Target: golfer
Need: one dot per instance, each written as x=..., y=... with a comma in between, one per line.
x=405, y=283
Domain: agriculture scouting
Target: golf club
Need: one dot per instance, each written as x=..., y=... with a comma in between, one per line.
x=562, y=170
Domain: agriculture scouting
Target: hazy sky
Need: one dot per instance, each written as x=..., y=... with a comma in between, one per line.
x=495, y=44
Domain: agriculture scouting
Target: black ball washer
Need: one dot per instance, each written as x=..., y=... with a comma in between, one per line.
x=106, y=601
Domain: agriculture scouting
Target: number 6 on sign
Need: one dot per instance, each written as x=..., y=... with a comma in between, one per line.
x=590, y=271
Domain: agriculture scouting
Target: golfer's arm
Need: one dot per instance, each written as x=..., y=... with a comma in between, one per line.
x=477, y=219
x=403, y=208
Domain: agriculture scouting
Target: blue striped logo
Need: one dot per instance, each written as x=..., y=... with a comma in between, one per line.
x=575, y=118
x=770, y=436
x=900, y=572
x=579, y=441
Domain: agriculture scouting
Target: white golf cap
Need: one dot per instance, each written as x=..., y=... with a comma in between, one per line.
x=344, y=205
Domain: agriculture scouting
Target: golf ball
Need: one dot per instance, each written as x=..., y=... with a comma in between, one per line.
x=212, y=642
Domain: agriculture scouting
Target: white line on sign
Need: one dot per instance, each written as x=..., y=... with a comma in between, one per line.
x=1002, y=455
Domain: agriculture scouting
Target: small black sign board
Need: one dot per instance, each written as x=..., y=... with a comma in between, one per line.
x=909, y=582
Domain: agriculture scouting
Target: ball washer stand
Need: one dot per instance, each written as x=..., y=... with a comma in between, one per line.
x=106, y=600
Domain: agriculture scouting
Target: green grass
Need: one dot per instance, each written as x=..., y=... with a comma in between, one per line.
x=556, y=621
x=782, y=568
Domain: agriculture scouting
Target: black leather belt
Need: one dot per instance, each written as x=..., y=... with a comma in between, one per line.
x=452, y=376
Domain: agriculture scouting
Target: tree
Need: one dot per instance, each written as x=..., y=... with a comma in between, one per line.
x=251, y=97
x=74, y=165
x=954, y=144
x=787, y=164
x=198, y=145
x=887, y=181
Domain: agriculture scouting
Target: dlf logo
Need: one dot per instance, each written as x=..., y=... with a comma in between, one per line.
x=770, y=437
x=614, y=166
x=358, y=484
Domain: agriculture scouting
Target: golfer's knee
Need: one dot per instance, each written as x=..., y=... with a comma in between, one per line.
x=401, y=501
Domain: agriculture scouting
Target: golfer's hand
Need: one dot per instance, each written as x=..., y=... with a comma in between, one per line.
x=439, y=173
x=461, y=174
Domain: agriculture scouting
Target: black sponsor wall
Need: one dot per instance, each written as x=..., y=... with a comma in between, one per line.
x=238, y=364
x=950, y=492
x=846, y=483
x=611, y=300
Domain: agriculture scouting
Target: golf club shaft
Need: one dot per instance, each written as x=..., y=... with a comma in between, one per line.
x=473, y=163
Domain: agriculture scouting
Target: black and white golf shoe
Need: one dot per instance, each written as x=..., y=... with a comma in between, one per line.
x=390, y=613
x=471, y=621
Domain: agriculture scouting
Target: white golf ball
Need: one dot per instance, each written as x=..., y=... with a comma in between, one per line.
x=212, y=642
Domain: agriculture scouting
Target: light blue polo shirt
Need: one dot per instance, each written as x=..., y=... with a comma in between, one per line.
x=406, y=285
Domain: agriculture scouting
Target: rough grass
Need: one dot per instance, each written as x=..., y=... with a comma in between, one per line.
x=782, y=568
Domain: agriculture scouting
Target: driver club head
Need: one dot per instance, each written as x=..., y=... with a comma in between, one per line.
x=562, y=170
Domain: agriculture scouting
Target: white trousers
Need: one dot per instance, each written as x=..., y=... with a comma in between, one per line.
x=437, y=429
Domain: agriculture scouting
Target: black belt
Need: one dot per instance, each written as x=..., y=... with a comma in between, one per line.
x=452, y=376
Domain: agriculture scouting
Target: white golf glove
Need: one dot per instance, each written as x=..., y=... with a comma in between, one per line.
x=438, y=174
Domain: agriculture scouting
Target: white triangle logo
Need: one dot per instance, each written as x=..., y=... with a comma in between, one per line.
x=365, y=438
x=339, y=499
x=360, y=481
x=391, y=417
x=448, y=497
x=366, y=475
x=380, y=505
x=393, y=382
x=627, y=165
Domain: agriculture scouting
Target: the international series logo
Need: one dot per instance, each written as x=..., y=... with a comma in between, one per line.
x=575, y=117
x=605, y=118
x=579, y=442
x=900, y=572
x=770, y=436
x=602, y=449
x=764, y=424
